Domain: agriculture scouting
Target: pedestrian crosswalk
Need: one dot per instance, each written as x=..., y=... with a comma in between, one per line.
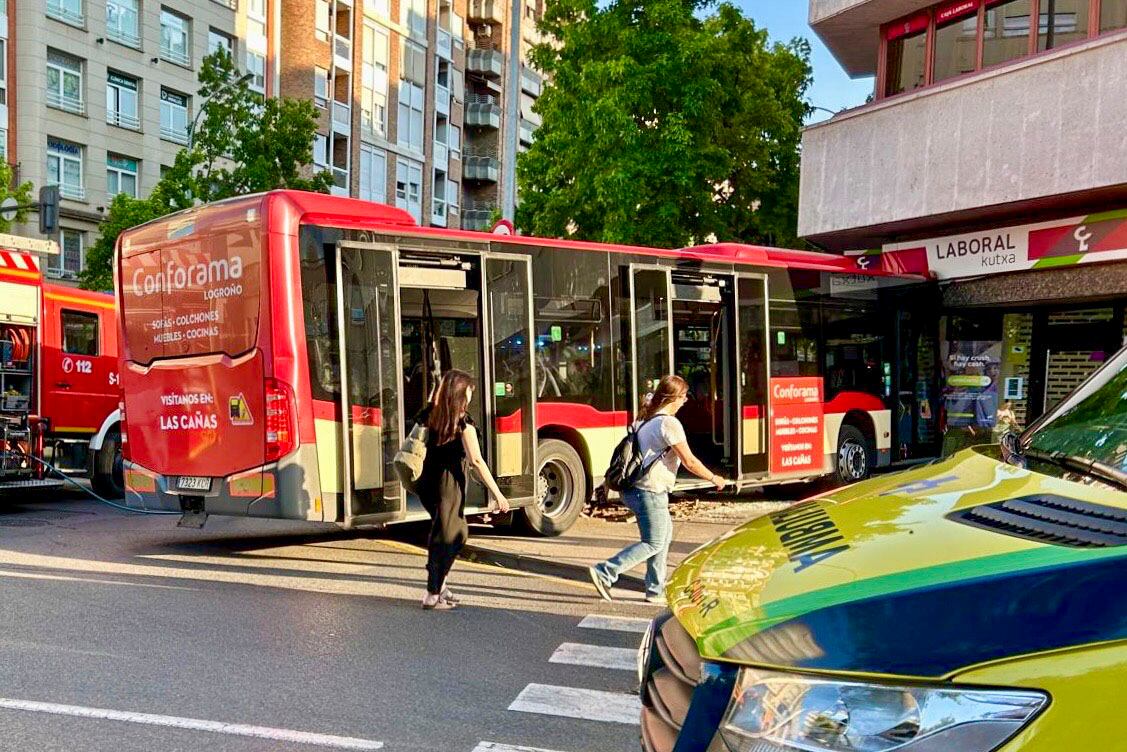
x=579, y=654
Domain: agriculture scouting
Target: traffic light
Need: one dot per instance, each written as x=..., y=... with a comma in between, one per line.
x=48, y=209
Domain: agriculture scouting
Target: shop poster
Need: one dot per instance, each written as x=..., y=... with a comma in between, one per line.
x=971, y=369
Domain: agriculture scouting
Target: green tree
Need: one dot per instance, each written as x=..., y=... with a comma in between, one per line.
x=242, y=143
x=9, y=189
x=664, y=125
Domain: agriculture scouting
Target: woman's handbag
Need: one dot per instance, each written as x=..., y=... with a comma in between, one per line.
x=408, y=461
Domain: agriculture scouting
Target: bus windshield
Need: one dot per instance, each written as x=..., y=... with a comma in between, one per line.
x=1092, y=423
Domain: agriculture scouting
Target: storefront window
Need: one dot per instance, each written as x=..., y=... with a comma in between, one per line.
x=1006, y=35
x=1062, y=22
x=907, y=63
x=956, y=43
x=1113, y=15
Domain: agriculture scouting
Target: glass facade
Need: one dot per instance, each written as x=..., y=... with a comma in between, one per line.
x=907, y=63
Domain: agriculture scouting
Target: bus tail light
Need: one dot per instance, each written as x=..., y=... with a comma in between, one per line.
x=281, y=420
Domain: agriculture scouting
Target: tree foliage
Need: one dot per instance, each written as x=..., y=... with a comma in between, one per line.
x=242, y=143
x=8, y=189
x=664, y=125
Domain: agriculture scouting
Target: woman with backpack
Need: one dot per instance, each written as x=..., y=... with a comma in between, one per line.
x=664, y=448
x=452, y=439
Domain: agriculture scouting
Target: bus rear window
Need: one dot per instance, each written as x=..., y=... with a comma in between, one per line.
x=195, y=296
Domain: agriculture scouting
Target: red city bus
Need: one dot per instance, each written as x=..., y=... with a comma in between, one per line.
x=275, y=348
x=59, y=389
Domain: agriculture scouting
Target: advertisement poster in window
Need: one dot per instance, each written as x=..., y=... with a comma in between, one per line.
x=970, y=382
x=797, y=425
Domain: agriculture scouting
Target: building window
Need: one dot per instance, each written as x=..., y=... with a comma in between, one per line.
x=322, y=17
x=320, y=150
x=373, y=83
x=438, y=200
x=121, y=101
x=256, y=66
x=123, y=22
x=414, y=63
x=907, y=55
x=64, y=168
x=80, y=329
x=411, y=115
x=175, y=38
x=1006, y=33
x=373, y=174
x=381, y=8
x=3, y=143
x=3, y=71
x=64, y=82
x=1062, y=22
x=320, y=87
x=173, y=116
x=413, y=15
x=68, y=11
x=217, y=40
x=70, y=260
x=956, y=41
x=409, y=187
x=1113, y=15
x=453, y=197
x=121, y=175
x=455, y=144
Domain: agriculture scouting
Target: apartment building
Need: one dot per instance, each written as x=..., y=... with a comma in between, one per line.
x=993, y=158
x=97, y=95
x=411, y=97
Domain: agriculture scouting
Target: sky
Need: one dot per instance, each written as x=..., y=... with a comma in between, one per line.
x=786, y=19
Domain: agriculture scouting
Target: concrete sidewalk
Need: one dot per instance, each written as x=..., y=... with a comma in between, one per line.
x=593, y=539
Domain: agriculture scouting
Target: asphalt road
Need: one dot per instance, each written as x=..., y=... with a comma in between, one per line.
x=122, y=632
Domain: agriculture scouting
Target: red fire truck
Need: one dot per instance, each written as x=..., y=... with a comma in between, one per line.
x=59, y=385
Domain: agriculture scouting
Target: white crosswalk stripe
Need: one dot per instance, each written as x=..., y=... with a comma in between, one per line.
x=496, y=747
x=578, y=654
x=615, y=623
x=573, y=702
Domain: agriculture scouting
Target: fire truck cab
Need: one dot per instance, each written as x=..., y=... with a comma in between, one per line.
x=59, y=385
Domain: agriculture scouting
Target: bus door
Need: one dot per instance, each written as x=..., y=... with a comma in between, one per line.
x=651, y=296
x=509, y=388
x=371, y=418
x=753, y=367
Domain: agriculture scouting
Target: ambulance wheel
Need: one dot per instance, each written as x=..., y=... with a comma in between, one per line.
x=853, y=461
x=561, y=490
x=107, y=472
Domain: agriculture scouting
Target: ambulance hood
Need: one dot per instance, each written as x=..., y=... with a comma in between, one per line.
x=895, y=575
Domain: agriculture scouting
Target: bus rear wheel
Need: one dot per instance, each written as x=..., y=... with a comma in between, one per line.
x=854, y=455
x=107, y=473
x=561, y=490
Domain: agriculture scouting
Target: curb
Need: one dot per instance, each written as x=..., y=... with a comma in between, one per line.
x=536, y=565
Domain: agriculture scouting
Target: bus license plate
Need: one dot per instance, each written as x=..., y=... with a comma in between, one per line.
x=194, y=483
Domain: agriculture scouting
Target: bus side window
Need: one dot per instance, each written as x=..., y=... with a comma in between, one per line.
x=80, y=332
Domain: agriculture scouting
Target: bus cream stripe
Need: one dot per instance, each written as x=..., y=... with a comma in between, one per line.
x=193, y=724
x=573, y=702
x=615, y=623
x=600, y=656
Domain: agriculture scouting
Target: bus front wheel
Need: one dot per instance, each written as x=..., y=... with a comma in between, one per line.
x=561, y=490
x=854, y=456
x=107, y=474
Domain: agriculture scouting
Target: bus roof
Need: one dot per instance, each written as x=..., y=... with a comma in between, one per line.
x=288, y=209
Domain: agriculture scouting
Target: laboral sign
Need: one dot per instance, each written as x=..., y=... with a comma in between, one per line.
x=1094, y=238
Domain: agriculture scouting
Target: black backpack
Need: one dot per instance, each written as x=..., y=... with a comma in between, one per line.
x=626, y=467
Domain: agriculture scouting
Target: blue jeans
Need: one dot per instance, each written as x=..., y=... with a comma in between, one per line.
x=656, y=528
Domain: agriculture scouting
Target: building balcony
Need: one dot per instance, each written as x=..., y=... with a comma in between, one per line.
x=482, y=111
x=124, y=36
x=442, y=100
x=342, y=52
x=438, y=212
x=445, y=45
x=123, y=120
x=174, y=134
x=484, y=169
x=478, y=215
x=67, y=12
x=61, y=101
x=72, y=191
x=531, y=82
x=488, y=63
x=486, y=11
x=983, y=147
x=340, y=186
x=342, y=118
x=527, y=132
x=441, y=156
x=178, y=55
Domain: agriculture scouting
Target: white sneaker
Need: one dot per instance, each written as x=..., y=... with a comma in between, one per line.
x=597, y=581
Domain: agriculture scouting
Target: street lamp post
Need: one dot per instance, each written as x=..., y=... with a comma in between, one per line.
x=246, y=77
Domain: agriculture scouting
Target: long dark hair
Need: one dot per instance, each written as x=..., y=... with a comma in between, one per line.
x=670, y=389
x=449, y=405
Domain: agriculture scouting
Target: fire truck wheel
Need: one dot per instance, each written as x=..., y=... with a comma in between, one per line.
x=107, y=469
x=561, y=490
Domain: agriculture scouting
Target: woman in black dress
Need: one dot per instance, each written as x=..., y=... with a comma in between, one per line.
x=451, y=441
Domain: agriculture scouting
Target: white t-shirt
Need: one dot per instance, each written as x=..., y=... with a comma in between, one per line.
x=654, y=438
